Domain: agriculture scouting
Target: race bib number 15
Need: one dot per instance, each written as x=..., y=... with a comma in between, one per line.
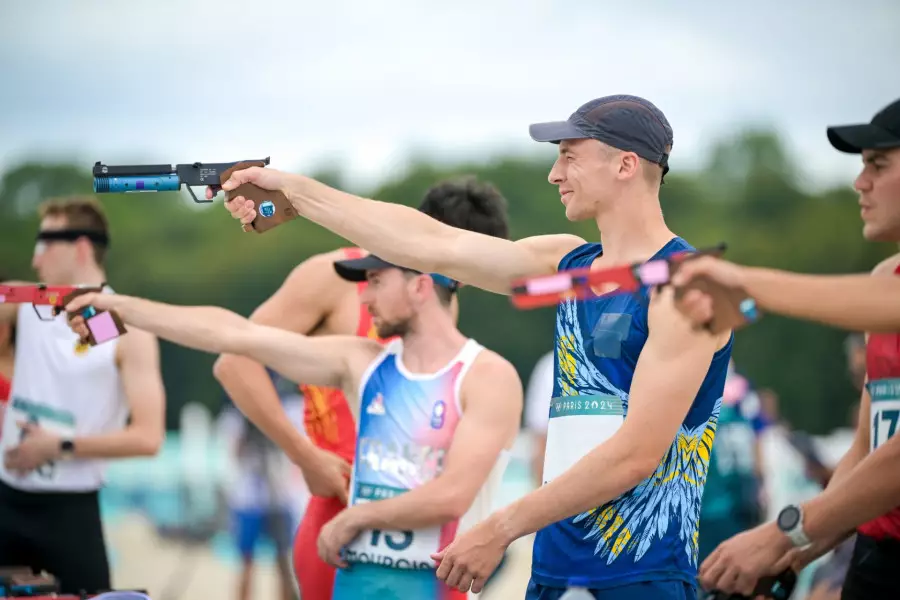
x=395, y=549
x=885, y=412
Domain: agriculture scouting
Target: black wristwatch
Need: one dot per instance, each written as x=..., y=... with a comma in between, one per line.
x=790, y=522
x=66, y=448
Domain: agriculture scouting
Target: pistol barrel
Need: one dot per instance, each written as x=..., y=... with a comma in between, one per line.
x=136, y=183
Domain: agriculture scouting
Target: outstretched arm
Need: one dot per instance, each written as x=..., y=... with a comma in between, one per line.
x=300, y=305
x=318, y=361
x=406, y=236
x=855, y=302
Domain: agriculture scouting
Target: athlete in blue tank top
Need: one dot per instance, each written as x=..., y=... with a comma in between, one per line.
x=648, y=534
x=637, y=388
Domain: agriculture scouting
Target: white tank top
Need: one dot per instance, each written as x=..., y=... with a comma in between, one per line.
x=406, y=425
x=67, y=390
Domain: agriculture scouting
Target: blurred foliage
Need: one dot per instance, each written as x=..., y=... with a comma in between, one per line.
x=748, y=194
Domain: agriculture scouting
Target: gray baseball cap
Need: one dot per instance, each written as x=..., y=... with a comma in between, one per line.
x=628, y=123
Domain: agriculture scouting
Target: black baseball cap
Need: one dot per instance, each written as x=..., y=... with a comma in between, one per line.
x=628, y=123
x=354, y=269
x=882, y=132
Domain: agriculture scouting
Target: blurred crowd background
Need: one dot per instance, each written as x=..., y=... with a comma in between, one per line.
x=385, y=101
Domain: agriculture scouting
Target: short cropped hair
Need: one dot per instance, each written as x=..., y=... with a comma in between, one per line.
x=467, y=203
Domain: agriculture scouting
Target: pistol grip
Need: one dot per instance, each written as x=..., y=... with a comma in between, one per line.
x=102, y=326
x=728, y=304
x=272, y=208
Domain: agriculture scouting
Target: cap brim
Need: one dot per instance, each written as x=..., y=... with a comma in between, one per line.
x=555, y=131
x=854, y=139
x=355, y=269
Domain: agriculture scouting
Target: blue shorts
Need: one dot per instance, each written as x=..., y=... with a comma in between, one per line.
x=250, y=525
x=365, y=581
x=651, y=590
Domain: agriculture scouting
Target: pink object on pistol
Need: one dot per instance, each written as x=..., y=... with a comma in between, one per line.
x=655, y=272
x=103, y=327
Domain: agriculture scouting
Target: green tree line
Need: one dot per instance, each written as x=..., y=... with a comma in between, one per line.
x=748, y=194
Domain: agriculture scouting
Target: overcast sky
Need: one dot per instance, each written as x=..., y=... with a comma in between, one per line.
x=372, y=83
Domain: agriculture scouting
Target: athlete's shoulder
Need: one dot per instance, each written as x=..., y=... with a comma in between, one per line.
x=317, y=273
x=494, y=379
x=553, y=248
x=888, y=266
x=322, y=263
x=488, y=364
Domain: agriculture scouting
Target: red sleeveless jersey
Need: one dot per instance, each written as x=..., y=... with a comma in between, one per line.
x=883, y=370
x=326, y=415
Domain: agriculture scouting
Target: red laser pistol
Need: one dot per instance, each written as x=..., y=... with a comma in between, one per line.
x=585, y=283
x=102, y=326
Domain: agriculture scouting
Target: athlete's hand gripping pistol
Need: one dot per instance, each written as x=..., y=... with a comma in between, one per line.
x=102, y=326
x=272, y=208
x=587, y=283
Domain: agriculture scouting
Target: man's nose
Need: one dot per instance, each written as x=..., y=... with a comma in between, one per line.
x=556, y=176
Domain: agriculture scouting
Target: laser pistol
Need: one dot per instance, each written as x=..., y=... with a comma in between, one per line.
x=102, y=326
x=272, y=208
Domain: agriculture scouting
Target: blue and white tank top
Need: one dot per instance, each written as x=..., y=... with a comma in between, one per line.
x=406, y=426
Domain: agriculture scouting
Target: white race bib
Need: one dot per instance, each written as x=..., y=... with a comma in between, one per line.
x=20, y=411
x=885, y=413
x=388, y=548
x=578, y=424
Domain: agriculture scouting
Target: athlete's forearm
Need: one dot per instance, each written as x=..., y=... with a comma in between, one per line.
x=868, y=491
x=250, y=387
x=205, y=328
x=396, y=233
x=855, y=302
x=131, y=441
x=848, y=462
x=818, y=549
x=426, y=506
x=409, y=238
x=605, y=473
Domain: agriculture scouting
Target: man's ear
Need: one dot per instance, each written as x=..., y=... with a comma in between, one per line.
x=629, y=163
x=85, y=250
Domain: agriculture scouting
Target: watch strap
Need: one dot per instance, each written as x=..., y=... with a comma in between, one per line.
x=797, y=536
x=796, y=533
x=66, y=448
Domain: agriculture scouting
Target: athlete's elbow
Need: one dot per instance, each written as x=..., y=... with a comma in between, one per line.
x=150, y=442
x=452, y=506
x=641, y=464
x=224, y=367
